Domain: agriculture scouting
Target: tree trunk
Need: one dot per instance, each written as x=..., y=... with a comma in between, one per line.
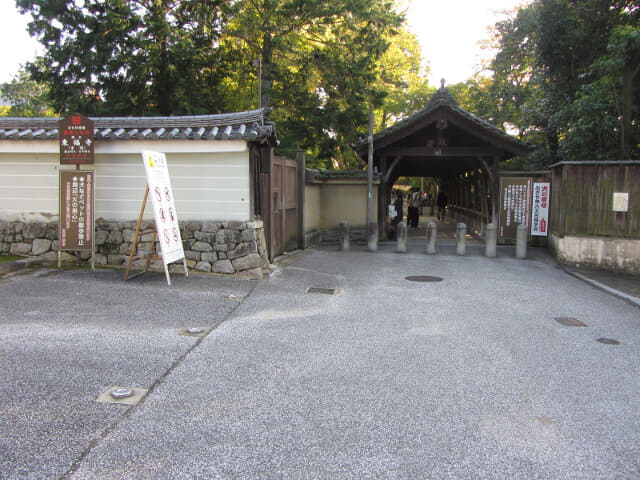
x=267, y=70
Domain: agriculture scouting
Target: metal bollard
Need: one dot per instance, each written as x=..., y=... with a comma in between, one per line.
x=432, y=237
x=522, y=237
x=372, y=236
x=344, y=236
x=401, y=238
x=491, y=240
x=461, y=238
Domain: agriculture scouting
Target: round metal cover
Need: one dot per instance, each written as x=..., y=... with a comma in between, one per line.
x=423, y=278
x=608, y=341
x=122, y=393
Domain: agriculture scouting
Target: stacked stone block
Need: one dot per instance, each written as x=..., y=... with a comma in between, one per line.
x=216, y=247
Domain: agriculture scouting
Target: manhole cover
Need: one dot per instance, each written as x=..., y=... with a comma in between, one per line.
x=423, y=278
x=326, y=291
x=608, y=341
x=569, y=322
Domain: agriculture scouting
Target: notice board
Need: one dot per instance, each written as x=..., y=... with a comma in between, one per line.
x=76, y=209
x=75, y=134
x=164, y=209
x=515, y=205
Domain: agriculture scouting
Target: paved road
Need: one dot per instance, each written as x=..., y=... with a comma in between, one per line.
x=470, y=377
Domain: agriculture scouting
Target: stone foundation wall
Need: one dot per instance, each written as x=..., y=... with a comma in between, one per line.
x=216, y=247
x=602, y=253
x=356, y=236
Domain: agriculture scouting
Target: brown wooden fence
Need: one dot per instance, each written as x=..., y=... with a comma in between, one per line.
x=582, y=198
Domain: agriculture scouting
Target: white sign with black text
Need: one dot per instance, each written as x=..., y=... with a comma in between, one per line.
x=164, y=209
x=540, y=210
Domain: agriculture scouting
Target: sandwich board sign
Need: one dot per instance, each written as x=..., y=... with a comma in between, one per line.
x=164, y=209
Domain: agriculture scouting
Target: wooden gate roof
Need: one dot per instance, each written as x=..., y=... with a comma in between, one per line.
x=440, y=140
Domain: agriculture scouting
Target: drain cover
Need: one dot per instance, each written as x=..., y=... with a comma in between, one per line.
x=608, y=341
x=569, y=322
x=423, y=278
x=121, y=393
x=326, y=291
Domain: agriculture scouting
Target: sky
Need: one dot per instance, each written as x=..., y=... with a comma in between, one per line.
x=448, y=31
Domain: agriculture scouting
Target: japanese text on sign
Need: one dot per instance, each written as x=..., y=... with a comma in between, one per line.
x=76, y=210
x=540, y=210
x=76, y=140
x=163, y=206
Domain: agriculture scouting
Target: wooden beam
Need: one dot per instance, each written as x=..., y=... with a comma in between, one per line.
x=444, y=152
x=393, y=165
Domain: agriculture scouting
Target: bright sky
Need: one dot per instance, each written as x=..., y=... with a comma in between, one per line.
x=449, y=32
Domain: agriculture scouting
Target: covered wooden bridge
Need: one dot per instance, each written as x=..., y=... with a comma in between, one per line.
x=445, y=142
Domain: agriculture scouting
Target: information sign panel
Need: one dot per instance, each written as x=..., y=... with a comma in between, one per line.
x=76, y=210
x=164, y=209
x=76, y=140
x=515, y=201
x=540, y=209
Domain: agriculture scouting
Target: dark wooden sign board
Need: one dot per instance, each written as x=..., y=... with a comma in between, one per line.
x=76, y=210
x=515, y=205
x=76, y=140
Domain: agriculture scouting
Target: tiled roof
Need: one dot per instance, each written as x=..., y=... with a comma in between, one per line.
x=442, y=98
x=248, y=126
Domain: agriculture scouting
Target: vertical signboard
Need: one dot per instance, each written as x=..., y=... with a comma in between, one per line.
x=164, y=209
x=76, y=210
x=540, y=209
x=76, y=140
x=515, y=201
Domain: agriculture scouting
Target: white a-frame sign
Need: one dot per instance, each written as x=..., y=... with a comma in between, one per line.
x=164, y=211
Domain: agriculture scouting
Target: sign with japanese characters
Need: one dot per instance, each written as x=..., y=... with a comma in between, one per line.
x=540, y=209
x=515, y=198
x=76, y=209
x=76, y=140
x=620, y=202
x=164, y=209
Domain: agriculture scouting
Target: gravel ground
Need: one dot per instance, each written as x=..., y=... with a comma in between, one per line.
x=469, y=377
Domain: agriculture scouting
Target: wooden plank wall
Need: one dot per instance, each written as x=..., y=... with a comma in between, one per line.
x=582, y=199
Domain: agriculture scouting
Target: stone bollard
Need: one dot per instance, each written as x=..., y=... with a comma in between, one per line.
x=401, y=237
x=372, y=236
x=522, y=236
x=432, y=237
x=461, y=239
x=344, y=236
x=491, y=240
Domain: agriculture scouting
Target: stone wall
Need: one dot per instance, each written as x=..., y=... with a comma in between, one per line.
x=216, y=247
x=602, y=253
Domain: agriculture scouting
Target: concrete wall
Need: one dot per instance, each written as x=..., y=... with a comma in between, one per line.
x=312, y=203
x=210, y=180
x=604, y=253
x=334, y=201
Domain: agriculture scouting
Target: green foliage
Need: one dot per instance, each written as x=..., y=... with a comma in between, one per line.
x=127, y=57
x=566, y=76
x=27, y=97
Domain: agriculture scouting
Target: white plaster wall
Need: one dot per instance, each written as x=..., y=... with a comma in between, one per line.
x=208, y=185
x=599, y=252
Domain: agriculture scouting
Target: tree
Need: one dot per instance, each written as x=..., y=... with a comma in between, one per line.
x=27, y=98
x=318, y=62
x=566, y=76
x=127, y=57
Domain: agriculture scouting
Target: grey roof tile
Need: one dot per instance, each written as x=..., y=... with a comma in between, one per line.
x=248, y=126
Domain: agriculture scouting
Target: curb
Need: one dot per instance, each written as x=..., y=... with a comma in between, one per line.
x=635, y=301
x=19, y=265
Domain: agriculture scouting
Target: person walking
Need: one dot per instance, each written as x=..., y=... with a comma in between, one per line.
x=442, y=201
x=398, y=218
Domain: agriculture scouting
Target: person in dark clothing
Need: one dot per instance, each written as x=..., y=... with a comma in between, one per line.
x=442, y=201
x=398, y=218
